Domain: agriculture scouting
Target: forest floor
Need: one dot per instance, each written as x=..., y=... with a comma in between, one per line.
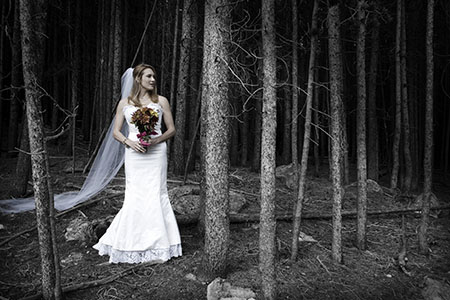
x=370, y=274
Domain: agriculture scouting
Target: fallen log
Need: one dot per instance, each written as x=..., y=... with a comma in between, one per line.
x=287, y=216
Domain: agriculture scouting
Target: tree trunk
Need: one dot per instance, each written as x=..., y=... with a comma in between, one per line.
x=117, y=58
x=398, y=100
x=361, y=126
x=215, y=97
x=33, y=21
x=372, y=124
x=267, y=230
x=428, y=151
x=305, y=151
x=15, y=81
x=23, y=166
x=336, y=84
x=174, y=54
x=295, y=90
x=178, y=157
x=256, y=161
x=405, y=105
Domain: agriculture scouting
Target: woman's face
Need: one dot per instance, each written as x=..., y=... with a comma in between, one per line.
x=148, y=80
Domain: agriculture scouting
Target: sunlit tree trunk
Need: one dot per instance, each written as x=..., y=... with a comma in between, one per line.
x=268, y=223
x=336, y=78
x=428, y=152
x=215, y=97
x=33, y=20
x=361, y=126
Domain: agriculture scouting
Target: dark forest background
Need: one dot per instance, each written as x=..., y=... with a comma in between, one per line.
x=89, y=44
x=358, y=88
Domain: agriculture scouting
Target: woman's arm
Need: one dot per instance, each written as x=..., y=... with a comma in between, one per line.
x=118, y=122
x=168, y=121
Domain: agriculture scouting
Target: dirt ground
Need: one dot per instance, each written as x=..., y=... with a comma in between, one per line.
x=370, y=274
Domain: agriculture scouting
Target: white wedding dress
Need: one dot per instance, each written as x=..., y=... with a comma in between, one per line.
x=145, y=228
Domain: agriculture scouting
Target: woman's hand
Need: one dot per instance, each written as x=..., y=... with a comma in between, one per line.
x=154, y=141
x=136, y=146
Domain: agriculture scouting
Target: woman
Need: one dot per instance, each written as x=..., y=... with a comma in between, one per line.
x=145, y=228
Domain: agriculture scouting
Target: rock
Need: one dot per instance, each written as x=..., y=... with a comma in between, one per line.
x=287, y=174
x=303, y=237
x=436, y=290
x=373, y=186
x=72, y=258
x=219, y=289
x=237, y=202
x=79, y=229
x=191, y=276
x=2, y=227
x=185, y=200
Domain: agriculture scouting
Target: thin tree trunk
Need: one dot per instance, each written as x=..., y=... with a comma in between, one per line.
x=305, y=151
x=15, y=81
x=216, y=137
x=174, y=54
x=76, y=63
x=287, y=123
x=23, y=166
x=405, y=106
x=361, y=127
x=295, y=99
x=267, y=230
x=256, y=161
x=398, y=100
x=337, y=129
x=117, y=48
x=316, y=124
x=33, y=20
x=428, y=152
x=178, y=157
x=372, y=124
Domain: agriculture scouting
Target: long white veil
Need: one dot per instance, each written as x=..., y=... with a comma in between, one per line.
x=109, y=160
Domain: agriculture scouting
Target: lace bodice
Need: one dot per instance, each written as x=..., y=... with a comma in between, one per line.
x=128, y=111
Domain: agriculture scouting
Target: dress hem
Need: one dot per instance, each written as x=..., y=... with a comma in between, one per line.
x=134, y=257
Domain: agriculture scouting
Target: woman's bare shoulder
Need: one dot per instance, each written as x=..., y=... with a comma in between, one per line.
x=122, y=103
x=163, y=101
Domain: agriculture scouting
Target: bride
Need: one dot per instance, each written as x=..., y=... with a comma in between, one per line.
x=145, y=228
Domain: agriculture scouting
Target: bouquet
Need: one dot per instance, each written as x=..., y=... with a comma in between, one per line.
x=145, y=120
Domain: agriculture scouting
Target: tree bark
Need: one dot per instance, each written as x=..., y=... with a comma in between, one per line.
x=23, y=166
x=361, y=126
x=305, y=151
x=405, y=105
x=33, y=20
x=295, y=91
x=117, y=50
x=398, y=100
x=372, y=124
x=267, y=231
x=428, y=151
x=15, y=81
x=178, y=157
x=215, y=97
x=336, y=84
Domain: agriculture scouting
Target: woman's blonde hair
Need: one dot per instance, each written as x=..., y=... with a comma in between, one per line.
x=137, y=76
